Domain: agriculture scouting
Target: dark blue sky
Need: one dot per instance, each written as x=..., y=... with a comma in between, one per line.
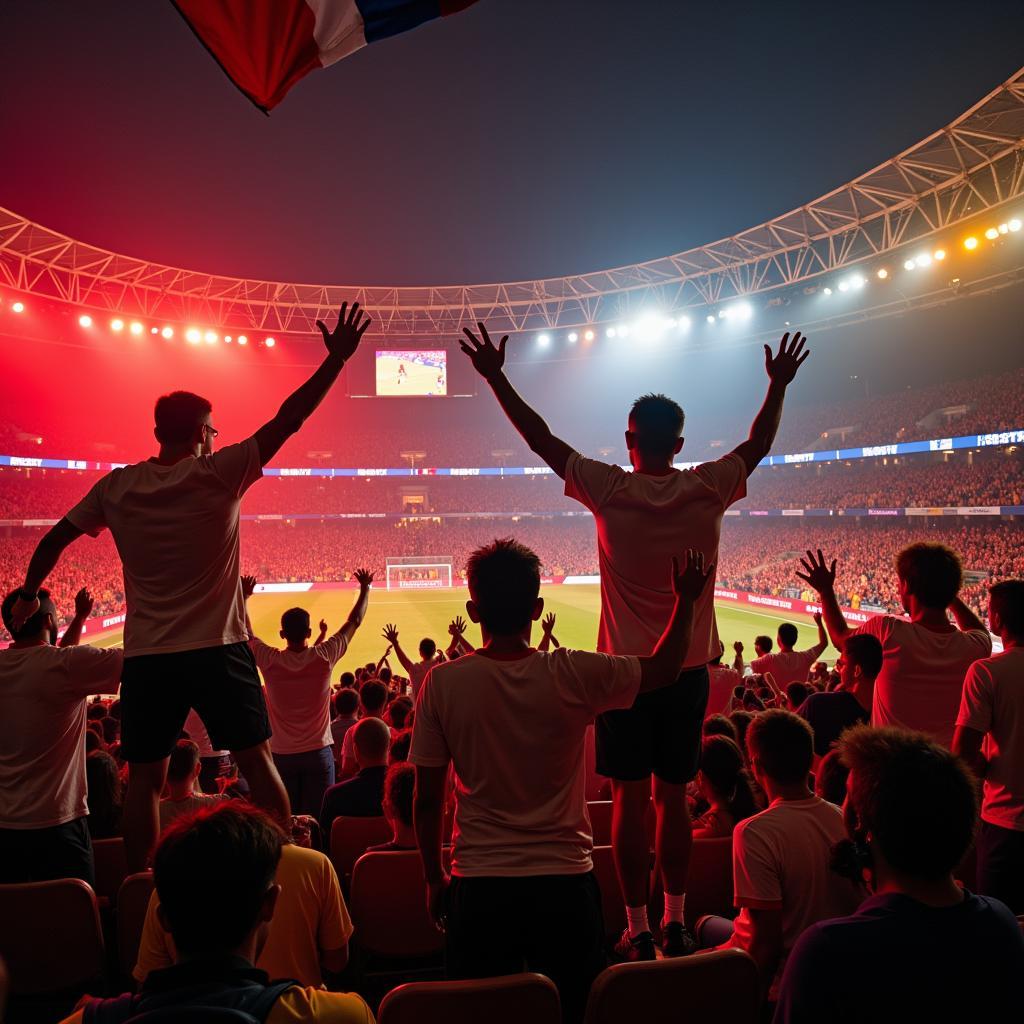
x=524, y=138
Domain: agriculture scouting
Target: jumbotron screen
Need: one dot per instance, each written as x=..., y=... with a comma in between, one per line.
x=420, y=372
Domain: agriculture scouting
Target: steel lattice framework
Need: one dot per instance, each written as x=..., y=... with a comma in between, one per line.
x=972, y=165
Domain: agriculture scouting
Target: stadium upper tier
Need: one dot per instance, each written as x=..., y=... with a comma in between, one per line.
x=951, y=176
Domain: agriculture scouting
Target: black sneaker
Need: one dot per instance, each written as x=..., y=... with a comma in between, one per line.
x=636, y=947
x=677, y=939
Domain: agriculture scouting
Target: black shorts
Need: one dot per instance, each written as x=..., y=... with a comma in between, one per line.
x=221, y=683
x=659, y=735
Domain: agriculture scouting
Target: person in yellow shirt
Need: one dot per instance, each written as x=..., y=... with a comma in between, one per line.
x=309, y=932
x=218, y=880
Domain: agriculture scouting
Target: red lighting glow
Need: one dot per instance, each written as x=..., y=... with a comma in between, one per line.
x=117, y=325
x=85, y=320
x=270, y=343
x=243, y=340
x=18, y=307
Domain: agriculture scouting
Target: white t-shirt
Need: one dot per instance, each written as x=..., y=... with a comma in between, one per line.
x=922, y=674
x=788, y=666
x=299, y=692
x=176, y=530
x=642, y=521
x=417, y=673
x=722, y=681
x=42, y=730
x=993, y=703
x=780, y=861
x=515, y=731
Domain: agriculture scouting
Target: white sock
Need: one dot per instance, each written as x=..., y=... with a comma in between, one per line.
x=636, y=921
x=674, y=907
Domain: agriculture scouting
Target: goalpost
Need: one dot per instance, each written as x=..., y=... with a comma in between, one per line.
x=418, y=572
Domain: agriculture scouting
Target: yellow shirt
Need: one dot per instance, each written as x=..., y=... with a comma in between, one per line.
x=305, y=1005
x=310, y=917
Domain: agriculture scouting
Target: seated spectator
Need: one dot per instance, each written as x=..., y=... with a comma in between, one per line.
x=726, y=785
x=830, y=778
x=43, y=691
x=400, y=744
x=214, y=765
x=722, y=680
x=719, y=725
x=345, y=704
x=399, y=787
x=373, y=699
x=111, y=730
x=106, y=795
x=183, y=796
x=925, y=659
x=398, y=712
x=921, y=948
x=362, y=796
x=221, y=886
x=796, y=694
x=780, y=857
x=787, y=665
x=828, y=714
x=990, y=737
x=92, y=741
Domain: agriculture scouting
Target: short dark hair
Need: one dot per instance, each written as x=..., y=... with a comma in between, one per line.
x=212, y=870
x=719, y=725
x=177, y=416
x=399, y=788
x=34, y=623
x=427, y=647
x=783, y=745
x=656, y=422
x=796, y=694
x=373, y=695
x=932, y=573
x=1008, y=601
x=830, y=778
x=111, y=729
x=764, y=642
x=504, y=582
x=741, y=718
x=384, y=675
x=346, y=702
x=183, y=761
x=398, y=712
x=400, y=744
x=918, y=801
x=371, y=738
x=347, y=679
x=295, y=624
x=788, y=634
x=864, y=650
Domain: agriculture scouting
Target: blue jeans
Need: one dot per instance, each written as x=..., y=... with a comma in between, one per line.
x=306, y=777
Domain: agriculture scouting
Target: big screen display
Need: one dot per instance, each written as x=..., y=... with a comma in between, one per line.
x=409, y=372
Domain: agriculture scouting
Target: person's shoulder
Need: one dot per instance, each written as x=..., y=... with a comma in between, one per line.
x=319, y=1007
x=301, y=860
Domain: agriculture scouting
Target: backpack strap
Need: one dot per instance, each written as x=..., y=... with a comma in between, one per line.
x=261, y=1006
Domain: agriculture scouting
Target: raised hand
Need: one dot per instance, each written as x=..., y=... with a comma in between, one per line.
x=345, y=338
x=364, y=578
x=248, y=587
x=391, y=634
x=323, y=625
x=738, y=646
x=782, y=367
x=548, y=623
x=457, y=627
x=817, y=618
x=487, y=360
x=83, y=603
x=817, y=573
x=691, y=579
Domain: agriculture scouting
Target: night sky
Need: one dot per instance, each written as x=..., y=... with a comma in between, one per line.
x=523, y=138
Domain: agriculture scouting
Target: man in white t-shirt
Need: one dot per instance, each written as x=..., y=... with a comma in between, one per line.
x=298, y=683
x=175, y=521
x=789, y=666
x=417, y=669
x=512, y=721
x=781, y=876
x=43, y=691
x=990, y=737
x=924, y=660
x=642, y=518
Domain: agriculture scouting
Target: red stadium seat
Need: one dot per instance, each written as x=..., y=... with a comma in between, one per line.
x=720, y=987
x=132, y=904
x=388, y=906
x=50, y=936
x=350, y=838
x=111, y=865
x=708, y=883
x=516, y=999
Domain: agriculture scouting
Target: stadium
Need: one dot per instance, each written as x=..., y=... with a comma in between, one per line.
x=906, y=426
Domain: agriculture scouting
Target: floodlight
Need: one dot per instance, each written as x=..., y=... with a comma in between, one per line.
x=117, y=325
x=85, y=320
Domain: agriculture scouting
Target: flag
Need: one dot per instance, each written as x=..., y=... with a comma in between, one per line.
x=266, y=46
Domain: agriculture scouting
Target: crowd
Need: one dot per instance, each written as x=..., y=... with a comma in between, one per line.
x=242, y=769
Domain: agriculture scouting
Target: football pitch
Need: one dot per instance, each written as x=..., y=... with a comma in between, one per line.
x=419, y=613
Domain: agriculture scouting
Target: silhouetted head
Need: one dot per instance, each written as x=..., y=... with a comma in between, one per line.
x=504, y=587
x=183, y=421
x=655, y=428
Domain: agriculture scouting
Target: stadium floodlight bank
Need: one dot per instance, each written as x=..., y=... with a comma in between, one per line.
x=419, y=572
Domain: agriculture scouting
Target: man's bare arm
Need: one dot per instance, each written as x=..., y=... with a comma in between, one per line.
x=489, y=361
x=391, y=635
x=300, y=404
x=965, y=618
x=83, y=608
x=428, y=819
x=822, y=578
x=44, y=560
x=967, y=744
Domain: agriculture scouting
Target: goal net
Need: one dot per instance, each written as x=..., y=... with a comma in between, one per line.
x=419, y=573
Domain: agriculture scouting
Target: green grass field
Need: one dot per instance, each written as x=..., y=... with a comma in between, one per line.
x=427, y=613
